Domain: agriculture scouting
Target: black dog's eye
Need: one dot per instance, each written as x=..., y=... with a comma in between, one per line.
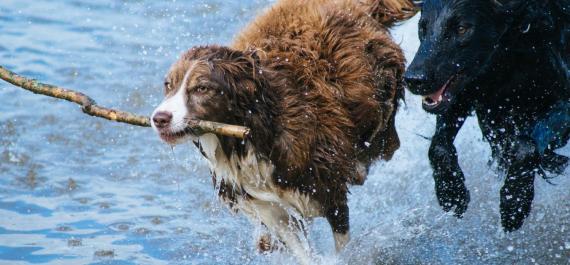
x=461, y=30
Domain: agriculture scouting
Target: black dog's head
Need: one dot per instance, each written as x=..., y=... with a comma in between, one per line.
x=459, y=39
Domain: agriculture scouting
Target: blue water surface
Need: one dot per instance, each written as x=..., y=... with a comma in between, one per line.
x=80, y=190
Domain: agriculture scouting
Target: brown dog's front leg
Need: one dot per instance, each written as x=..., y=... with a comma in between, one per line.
x=339, y=221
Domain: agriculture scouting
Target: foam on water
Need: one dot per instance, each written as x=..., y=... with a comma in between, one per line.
x=77, y=190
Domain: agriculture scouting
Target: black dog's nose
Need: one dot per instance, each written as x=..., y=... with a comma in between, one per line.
x=415, y=80
x=162, y=119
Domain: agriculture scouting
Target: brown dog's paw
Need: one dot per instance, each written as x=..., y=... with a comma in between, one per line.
x=266, y=244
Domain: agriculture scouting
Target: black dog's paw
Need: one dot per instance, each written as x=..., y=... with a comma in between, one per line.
x=516, y=203
x=452, y=193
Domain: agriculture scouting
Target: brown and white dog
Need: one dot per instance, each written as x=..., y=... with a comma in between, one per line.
x=318, y=84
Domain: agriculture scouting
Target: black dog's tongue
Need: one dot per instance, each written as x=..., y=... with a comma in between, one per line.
x=436, y=98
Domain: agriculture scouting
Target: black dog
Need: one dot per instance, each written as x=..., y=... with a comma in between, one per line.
x=506, y=60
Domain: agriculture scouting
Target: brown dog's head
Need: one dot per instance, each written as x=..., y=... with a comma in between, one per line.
x=208, y=83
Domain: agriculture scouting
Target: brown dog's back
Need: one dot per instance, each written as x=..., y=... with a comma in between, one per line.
x=347, y=78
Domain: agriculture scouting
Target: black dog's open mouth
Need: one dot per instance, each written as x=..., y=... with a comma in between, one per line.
x=439, y=99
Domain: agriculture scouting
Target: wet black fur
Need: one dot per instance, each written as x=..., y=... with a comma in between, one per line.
x=511, y=63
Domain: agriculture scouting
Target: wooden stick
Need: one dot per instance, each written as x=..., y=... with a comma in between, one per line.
x=201, y=127
x=90, y=107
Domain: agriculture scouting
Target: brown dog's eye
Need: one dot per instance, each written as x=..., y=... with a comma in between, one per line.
x=461, y=30
x=202, y=89
x=167, y=86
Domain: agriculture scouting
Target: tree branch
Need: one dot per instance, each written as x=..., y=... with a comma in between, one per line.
x=90, y=107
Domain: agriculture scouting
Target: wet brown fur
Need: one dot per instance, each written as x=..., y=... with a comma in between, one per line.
x=318, y=83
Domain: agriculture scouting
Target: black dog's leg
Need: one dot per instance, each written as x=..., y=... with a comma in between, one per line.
x=449, y=180
x=518, y=191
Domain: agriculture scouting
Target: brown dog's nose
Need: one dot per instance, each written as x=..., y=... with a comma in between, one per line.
x=162, y=119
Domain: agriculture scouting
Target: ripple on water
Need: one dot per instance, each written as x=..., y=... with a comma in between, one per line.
x=121, y=226
x=37, y=62
x=45, y=21
x=12, y=33
x=33, y=51
x=27, y=254
x=24, y=208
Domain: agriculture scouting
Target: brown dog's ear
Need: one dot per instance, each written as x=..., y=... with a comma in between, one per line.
x=255, y=56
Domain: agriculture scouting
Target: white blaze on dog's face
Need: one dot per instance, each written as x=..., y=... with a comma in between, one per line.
x=209, y=83
x=169, y=118
x=190, y=94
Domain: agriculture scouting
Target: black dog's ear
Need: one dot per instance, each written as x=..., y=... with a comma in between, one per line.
x=526, y=15
x=563, y=7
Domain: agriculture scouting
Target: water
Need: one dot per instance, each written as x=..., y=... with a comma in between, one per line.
x=81, y=190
